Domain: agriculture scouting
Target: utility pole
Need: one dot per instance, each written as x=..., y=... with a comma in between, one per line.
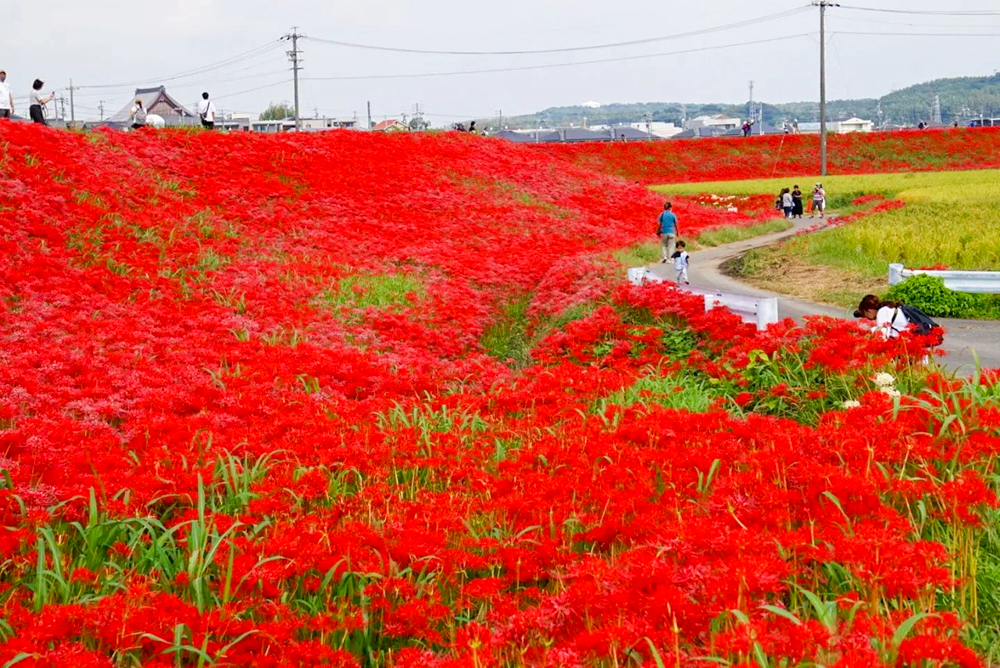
x=72, y=104
x=100, y=106
x=295, y=56
x=500, y=114
x=822, y=4
x=369, y=115
x=750, y=108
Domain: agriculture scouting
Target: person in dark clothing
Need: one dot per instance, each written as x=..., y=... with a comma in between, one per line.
x=37, y=102
x=797, y=206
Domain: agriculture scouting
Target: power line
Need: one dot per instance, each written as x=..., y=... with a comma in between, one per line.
x=984, y=12
x=556, y=65
x=920, y=34
x=913, y=25
x=253, y=53
x=613, y=45
x=283, y=82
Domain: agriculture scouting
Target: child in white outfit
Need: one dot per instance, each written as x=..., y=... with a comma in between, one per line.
x=681, y=263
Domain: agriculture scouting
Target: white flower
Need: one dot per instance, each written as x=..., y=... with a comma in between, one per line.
x=884, y=380
x=851, y=403
x=891, y=392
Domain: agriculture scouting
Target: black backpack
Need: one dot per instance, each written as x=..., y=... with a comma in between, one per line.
x=922, y=323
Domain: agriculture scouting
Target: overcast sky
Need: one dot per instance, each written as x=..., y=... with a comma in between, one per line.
x=128, y=42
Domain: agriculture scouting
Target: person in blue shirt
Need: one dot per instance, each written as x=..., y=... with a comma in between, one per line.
x=666, y=229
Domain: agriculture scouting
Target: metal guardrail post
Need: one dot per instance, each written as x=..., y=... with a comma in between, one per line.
x=759, y=312
x=896, y=274
x=637, y=275
x=767, y=313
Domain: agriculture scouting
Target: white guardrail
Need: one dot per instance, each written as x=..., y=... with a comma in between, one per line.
x=975, y=282
x=760, y=312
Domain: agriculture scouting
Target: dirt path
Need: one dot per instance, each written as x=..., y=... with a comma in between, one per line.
x=963, y=341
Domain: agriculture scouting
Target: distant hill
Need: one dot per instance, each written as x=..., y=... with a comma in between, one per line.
x=961, y=98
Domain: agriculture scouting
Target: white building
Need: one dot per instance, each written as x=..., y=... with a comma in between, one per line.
x=853, y=125
x=658, y=128
x=719, y=121
x=839, y=127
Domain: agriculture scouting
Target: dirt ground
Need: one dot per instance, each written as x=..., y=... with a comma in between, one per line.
x=778, y=270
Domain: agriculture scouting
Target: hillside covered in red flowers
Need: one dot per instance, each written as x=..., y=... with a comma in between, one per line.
x=361, y=400
x=778, y=156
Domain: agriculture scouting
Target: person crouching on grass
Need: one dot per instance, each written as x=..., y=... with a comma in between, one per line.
x=666, y=229
x=682, y=261
x=888, y=317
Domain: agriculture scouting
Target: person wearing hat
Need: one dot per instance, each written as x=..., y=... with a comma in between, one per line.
x=818, y=201
x=38, y=102
x=6, y=97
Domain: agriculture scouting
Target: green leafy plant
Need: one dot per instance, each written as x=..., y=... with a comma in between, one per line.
x=929, y=294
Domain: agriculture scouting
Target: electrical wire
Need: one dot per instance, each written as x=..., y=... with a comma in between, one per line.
x=200, y=84
x=613, y=45
x=913, y=25
x=253, y=53
x=226, y=96
x=939, y=12
x=919, y=34
x=556, y=65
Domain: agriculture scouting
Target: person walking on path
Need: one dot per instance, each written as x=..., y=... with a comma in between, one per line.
x=138, y=115
x=819, y=201
x=797, y=207
x=206, y=111
x=37, y=102
x=6, y=97
x=787, y=204
x=666, y=229
x=682, y=260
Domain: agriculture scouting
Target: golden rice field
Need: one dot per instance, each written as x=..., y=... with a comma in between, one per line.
x=950, y=218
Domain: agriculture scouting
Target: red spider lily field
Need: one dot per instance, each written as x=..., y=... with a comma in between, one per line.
x=770, y=156
x=351, y=399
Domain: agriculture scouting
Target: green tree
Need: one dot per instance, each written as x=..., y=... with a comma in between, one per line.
x=278, y=111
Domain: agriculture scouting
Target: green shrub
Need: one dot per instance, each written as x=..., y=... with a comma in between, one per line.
x=929, y=294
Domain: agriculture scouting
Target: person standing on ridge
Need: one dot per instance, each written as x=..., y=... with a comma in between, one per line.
x=37, y=102
x=819, y=201
x=666, y=229
x=6, y=97
x=797, y=207
x=787, y=203
x=206, y=111
x=138, y=115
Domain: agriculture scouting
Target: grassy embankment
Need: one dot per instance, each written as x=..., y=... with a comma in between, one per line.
x=950, y=219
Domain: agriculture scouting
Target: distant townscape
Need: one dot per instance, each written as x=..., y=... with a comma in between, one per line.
x=961, y=102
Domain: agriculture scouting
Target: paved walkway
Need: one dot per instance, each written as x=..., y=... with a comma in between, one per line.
x=964, y=339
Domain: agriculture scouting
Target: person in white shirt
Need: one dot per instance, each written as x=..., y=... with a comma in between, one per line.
x=889, y=318
x=138, y=115
x=37, y=102
x=6, y=97
x=206, y=111
x=681, y=262
x=819, y=201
